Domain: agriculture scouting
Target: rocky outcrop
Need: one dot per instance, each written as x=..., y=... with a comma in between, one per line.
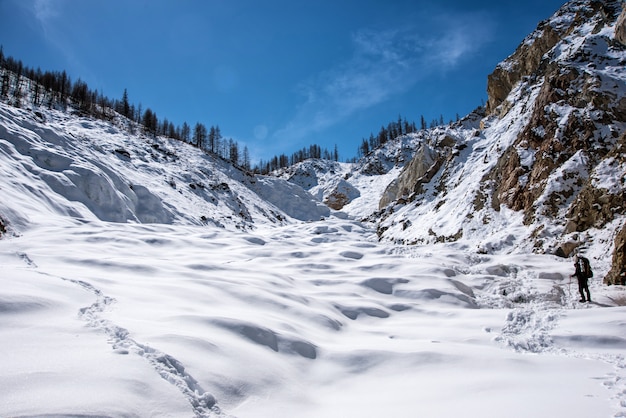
x=620, y=27
x=523, y=62
x=418, y=171
x=551, y=147
x=553, y=140
x=564, y=147
x=598, y=204
x=617, y=274
x=341, y=194
x=532, y=57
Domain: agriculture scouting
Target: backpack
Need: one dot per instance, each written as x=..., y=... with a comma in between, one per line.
x=586, y=268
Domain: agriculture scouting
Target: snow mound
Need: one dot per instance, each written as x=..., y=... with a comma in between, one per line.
x=71, y=166
x=312, y=319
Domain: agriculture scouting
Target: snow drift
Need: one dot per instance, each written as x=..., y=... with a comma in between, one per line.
x=142, y=277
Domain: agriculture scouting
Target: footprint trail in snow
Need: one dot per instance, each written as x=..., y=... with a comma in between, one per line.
x=170, y=369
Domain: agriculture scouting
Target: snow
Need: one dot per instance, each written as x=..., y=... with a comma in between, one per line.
x=280, y=307
x=312, y=319
x=142, y=277
x=605, y=178
x=101, y=169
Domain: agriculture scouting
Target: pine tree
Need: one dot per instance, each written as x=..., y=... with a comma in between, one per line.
x=218, y=137
x=6, y=83
x=185, y=132
x=246, y=158
x=212, y=146
x=199, y=135
x=64, y=90
x=233, y=151
x=150, y=121
x=125, y=105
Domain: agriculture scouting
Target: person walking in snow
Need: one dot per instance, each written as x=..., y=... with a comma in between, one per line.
x=583, y=273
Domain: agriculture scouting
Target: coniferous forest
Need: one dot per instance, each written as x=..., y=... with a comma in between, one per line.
x=55, y=89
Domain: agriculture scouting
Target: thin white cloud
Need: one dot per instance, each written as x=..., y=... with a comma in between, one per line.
x=44, y=10
x=52, y=18
x=465, y=36
x=383, y=64
x=45, y=13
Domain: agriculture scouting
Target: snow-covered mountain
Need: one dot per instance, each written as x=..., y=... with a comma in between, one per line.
x=550, y=149
x=142, y=277
x=545, y=158
x=355, y=188
x=58, y=164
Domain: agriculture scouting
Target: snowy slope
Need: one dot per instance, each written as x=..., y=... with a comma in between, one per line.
x=143, y=278
x=179, y=318
x=84, y=168
x=521, y=181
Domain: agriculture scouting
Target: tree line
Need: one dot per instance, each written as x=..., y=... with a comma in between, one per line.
x=19, y=83
x=394, y=130
x=55, y=89
x=281, y=161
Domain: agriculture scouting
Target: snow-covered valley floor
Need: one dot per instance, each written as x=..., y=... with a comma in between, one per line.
x=307, y=320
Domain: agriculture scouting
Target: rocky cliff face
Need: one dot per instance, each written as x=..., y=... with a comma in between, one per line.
x=620, y=28
x=419, y=170
x=551, y=145
x=617, y=274
x=575, y=125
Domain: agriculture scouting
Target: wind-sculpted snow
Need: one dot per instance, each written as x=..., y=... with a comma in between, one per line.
x=143, y=278
x=309, y=320
x=72, y=166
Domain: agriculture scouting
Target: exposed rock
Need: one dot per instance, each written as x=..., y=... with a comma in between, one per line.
x=342, y=193
x=617, y=274
x=597, y=206
x=532, y=57
x=523, y=62
x=446, y=141
x=620, y=27
x=374, y=167
x=567, y=249
x=418, y=171
x=505, y=178
x=594, y=208
x=554, y=140
x=558, y=104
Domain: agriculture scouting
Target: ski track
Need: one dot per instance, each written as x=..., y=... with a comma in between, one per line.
x=204, y=404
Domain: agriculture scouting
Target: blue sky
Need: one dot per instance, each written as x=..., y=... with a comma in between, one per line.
x=277, y=76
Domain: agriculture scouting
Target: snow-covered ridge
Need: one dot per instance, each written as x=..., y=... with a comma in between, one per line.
x=143, y=278
x=357, y=188
x=556, y=121
x=55, y=163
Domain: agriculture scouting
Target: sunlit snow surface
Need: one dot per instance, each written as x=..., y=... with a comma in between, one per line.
x=307, y=320
x=170, y=309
